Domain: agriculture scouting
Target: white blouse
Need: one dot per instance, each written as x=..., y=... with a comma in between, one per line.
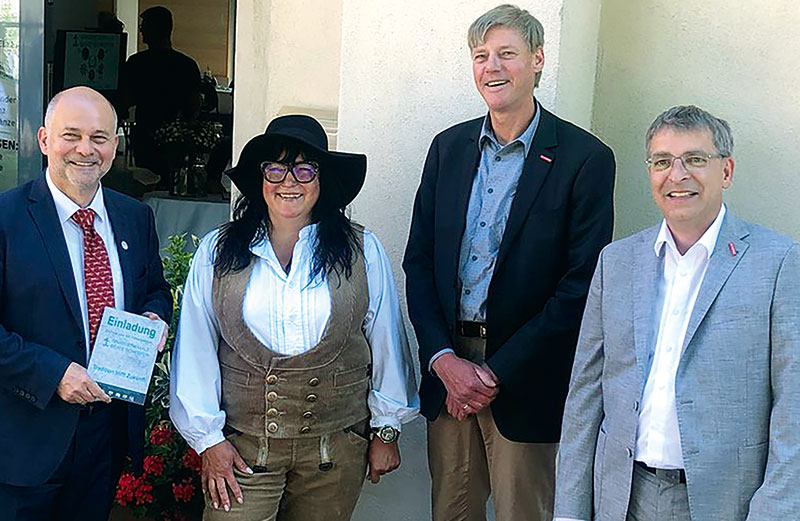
x=288, y=314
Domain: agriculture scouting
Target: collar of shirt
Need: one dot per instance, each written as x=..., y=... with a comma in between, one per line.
x=526, y=138
x=264, y=250
x=66, y=207
x=707, y=241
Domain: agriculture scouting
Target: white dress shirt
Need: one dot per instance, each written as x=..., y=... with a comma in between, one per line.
x=288, y=314
x=658, y=441
x=73, y=234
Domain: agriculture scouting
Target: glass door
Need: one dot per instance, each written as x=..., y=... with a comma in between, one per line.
x=21, y=80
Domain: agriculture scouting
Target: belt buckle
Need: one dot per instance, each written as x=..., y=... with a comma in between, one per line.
x=482, y=330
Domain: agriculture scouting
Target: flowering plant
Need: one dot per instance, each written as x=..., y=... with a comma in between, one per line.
x=185, y=146
x=186, y=141
x=169, y=487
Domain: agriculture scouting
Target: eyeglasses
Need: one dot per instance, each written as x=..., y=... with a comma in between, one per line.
x=692, y=161
x=302, y=171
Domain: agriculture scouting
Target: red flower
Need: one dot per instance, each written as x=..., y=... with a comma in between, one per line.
x=161, y=434
x=192, y=461
x=183, y=492
x=125, y=488
x=154, y=465
x=131, y=489
x=143, y=492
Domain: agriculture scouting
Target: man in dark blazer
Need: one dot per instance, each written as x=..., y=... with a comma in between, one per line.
x=510, y=216
x=61, y=441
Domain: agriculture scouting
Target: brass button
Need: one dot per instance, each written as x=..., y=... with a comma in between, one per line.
x=272, y=427
x=272, y=396
x=272, y=412
x=313, y=382
x=307, y=415
x=305, y=430
x=272, y=379
x=311, y=398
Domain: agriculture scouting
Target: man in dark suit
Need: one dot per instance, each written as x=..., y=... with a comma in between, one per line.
x=68, y=248
x=509, y=219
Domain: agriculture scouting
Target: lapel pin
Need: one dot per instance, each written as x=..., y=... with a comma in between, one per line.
x=545, y=158
x=732, y=249
x=124, y=245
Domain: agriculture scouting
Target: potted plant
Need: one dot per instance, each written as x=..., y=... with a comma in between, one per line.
x=169, y=487
x=186, y=146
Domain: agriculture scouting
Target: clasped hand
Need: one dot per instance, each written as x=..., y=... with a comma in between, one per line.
x=470, y=387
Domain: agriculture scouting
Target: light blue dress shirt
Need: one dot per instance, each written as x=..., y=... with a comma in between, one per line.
x=493, y=191
x=490, y=201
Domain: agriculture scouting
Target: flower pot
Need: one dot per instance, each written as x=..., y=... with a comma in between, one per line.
x=119, y=513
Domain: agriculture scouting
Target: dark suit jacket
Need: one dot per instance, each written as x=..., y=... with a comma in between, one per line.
x=41, y=330
x=561, y=217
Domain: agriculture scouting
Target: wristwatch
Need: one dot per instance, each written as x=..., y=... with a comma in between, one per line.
x=387, y=433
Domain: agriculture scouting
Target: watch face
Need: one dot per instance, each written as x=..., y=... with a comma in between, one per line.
x=387, y=434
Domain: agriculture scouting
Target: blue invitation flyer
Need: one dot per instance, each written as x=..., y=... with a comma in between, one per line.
x=124, y=354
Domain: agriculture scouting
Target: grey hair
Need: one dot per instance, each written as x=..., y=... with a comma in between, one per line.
x=688, y=118
x=51, y=108
x=511, y=16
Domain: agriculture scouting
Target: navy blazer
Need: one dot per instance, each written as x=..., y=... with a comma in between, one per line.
x=560, y=219
x=41, y=329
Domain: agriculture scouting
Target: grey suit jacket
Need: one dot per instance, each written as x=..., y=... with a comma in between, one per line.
x=737, y=386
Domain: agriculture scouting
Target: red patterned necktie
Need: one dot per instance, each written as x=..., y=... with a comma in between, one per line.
x=96, y=272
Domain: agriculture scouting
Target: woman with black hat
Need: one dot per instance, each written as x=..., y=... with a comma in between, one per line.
x=291, y=348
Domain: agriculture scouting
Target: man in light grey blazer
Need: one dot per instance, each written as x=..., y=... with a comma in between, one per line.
x=684, y=401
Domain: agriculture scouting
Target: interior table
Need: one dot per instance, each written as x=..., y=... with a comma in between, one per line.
x=192, y=216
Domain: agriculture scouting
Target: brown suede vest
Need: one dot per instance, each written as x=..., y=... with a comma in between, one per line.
x=311, y=394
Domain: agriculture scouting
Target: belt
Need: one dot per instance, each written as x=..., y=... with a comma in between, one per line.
x=674, y=475
x=471, y=329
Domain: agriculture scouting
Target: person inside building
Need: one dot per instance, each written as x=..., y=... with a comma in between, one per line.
x=162, y=83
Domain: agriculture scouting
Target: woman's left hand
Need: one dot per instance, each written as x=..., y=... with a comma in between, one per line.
x=383, y=458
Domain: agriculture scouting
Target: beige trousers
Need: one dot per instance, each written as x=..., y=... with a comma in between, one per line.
x=299, y=479
x=471, y=460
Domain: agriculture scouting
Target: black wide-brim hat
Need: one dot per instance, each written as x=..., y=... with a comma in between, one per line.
x=347, y=171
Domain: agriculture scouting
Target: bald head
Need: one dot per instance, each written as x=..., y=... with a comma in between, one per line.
x=79, y=138
x=84, y=94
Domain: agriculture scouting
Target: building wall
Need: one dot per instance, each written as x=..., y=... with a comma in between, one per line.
x=75, y=15
x=577, y=64
x=398, y=73
x=200, y=29
x=736, y=62
x=287, y=55
x=128, y=14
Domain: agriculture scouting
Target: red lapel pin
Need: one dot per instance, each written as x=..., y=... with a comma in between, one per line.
x=545, y=158
x=732, y=249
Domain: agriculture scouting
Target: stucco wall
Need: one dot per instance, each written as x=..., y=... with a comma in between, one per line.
x=736, y=62
x=128, y=13
x=577, y=64
x=287, y=54
x=398, y=73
